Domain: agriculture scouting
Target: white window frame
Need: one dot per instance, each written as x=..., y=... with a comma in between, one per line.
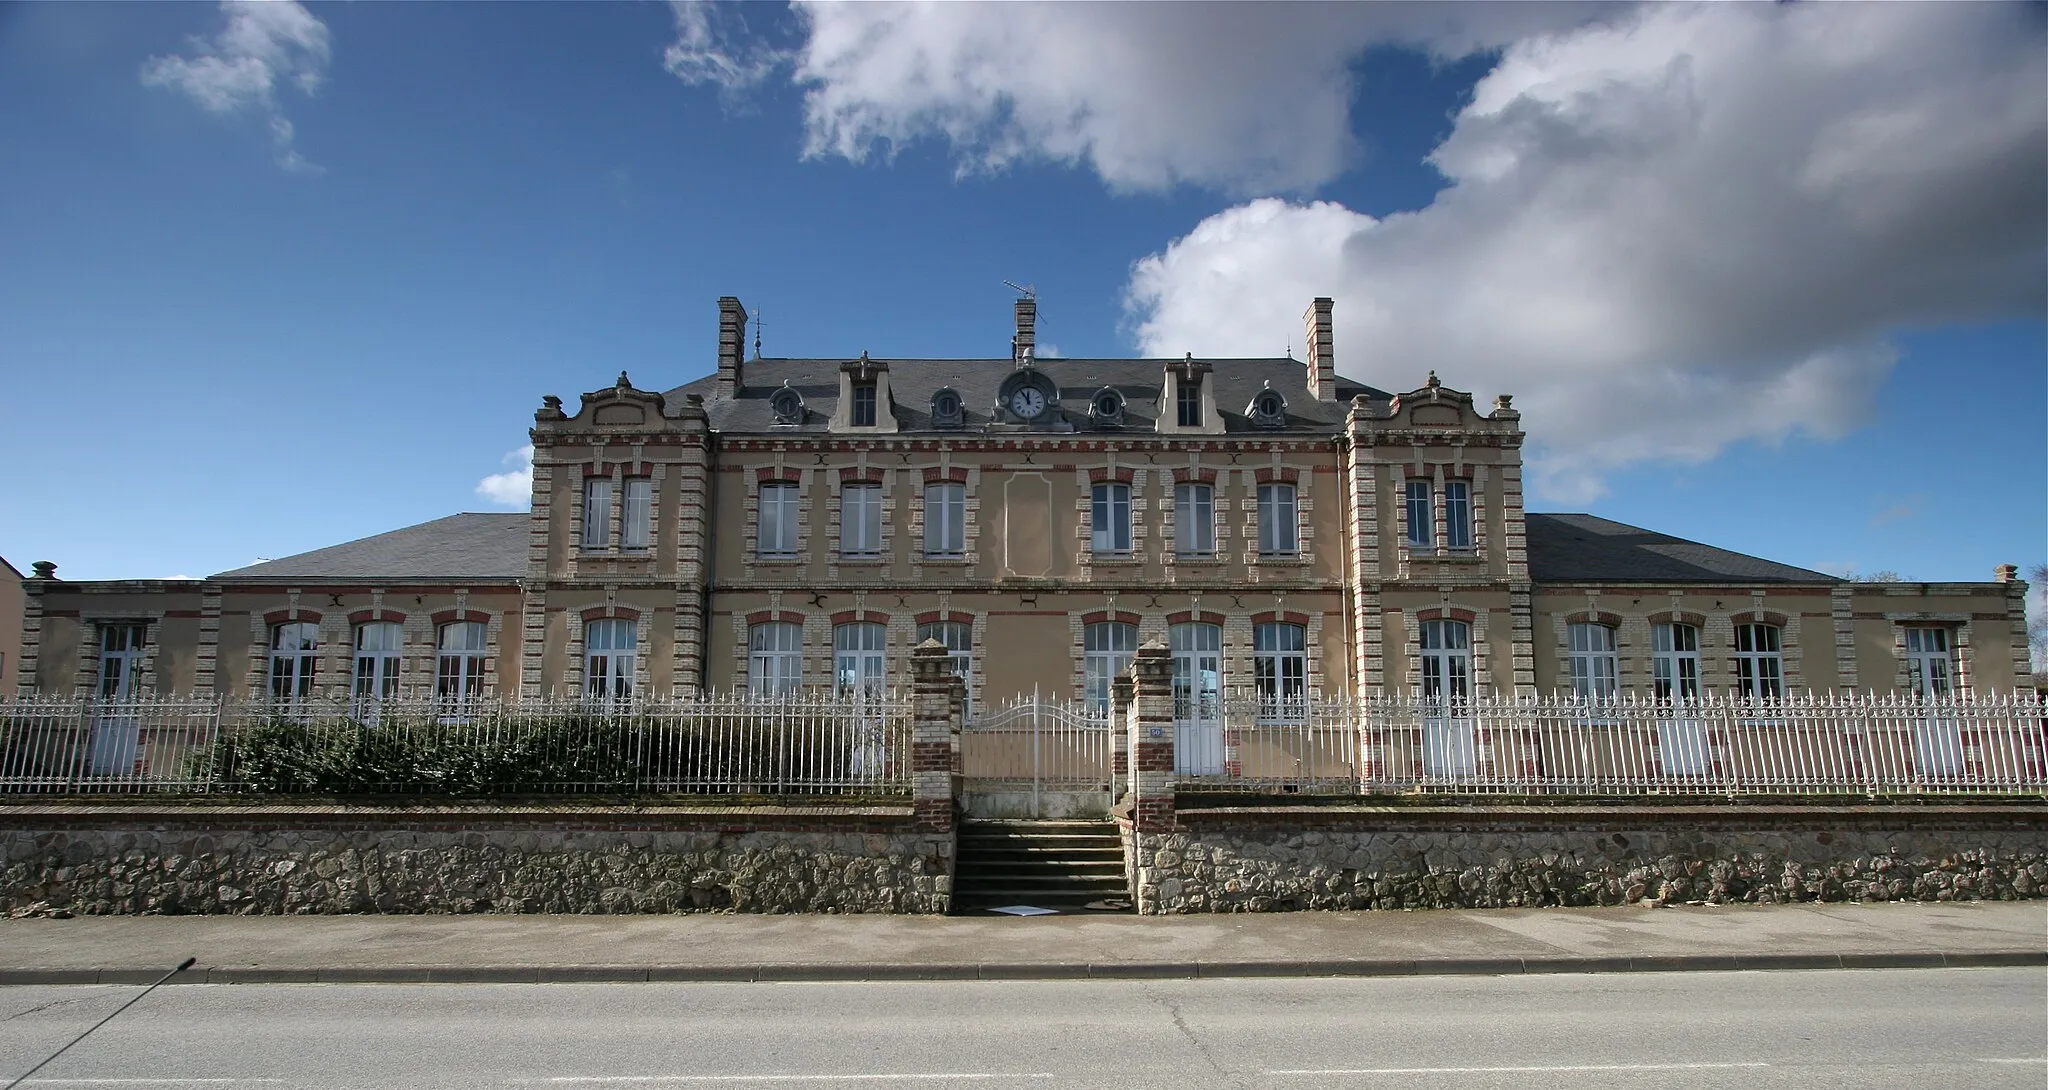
x=597, y=512
x=866, y=404
x=379, y=656
x=1279, y=519
x=1930, y=662
x=1106, y=651
x=1187, y=404
x=945, y=520
x=1194, y=519
x=611, y=650
x=1419, y=501
x=858, y=657
x=121, y=648
x=636, y=518
x=1457, y=515
x=1759, y=669
x=780, y=506
x=1110, y=519
x=460, y=650
x=292, y=668
x=775, y=658
x=1675, y=661
x=860, y=521
x=957, y=637
x=1595, y=668
x=1446, y=647
x=1280, y=671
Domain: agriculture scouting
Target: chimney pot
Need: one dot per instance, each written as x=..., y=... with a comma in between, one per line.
x=45, y=569
x=1024, y=346
x=1321, y=364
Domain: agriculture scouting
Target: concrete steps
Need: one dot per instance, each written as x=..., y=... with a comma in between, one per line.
x=1060, y=865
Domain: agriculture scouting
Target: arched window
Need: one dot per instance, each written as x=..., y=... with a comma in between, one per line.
x=294, y=653
x=1759, y=669
x=1446, y=660
x=378, y=650
x=1106, y=649
x=459, y=660
x=957, y=637
x=1592, y=661
x=1280, y=670
x=775, y=658
x=857, y=657
x=609, y=650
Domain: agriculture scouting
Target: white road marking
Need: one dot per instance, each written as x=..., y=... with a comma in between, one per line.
x=1508, y=1070
x=146, y=1082
x=956, y=1075
x=2014, y=1060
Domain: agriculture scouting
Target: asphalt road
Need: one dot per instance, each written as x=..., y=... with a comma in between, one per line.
x=1907, y=1028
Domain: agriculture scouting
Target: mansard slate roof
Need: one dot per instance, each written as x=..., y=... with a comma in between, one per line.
x=474, y=546
x=1579, y=548
x=913, y=382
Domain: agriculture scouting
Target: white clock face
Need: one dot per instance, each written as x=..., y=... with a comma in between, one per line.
x=1027, y=402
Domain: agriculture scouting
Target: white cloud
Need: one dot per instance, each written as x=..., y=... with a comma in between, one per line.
x=1244, y=97
x=513, y=488
x=265, y=43
x=1688, y=228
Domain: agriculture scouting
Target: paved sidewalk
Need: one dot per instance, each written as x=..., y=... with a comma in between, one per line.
x=686, y=947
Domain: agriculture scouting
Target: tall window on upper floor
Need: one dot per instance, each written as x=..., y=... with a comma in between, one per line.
x=945, y=520
x=636, y=521
x=957, y=637
x=609, y=650
x=1421, y=515
x=775, y=658
x=1592, y=661
x=778, y=521
x=1759, y=668
x=1194, y=519
x=1280, y=670
x=459, y=660
x=857, y=651
x=1106, y=650
x=1446, y=660
x=1457, y=515
x=1675, y=661
x=294, y=653
x=1110, y=513
x=121, y=660
x=1930, y=665
x=860, y=521
x=863, y=415
x=379, y=646
x=1279, y=528
x=597, y=512
x=1187, y=402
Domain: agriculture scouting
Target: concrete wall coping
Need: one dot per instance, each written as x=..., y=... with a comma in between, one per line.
x=159, y=811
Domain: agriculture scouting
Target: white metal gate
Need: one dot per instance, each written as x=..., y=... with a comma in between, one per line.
x=1037, y=757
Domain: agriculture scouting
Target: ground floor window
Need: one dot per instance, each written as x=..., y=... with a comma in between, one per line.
x=775, y=658
x=1280, y=670
x=1930, y=669
x=459, y=660
x=294, y=654
x=1592, y=661
x=857, y=661
x=1106, y=655
x=609, y=650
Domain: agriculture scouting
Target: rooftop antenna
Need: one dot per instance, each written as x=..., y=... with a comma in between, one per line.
x=1026, y=291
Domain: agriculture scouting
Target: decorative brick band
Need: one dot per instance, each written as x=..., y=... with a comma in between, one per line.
x=868, y=616
x=621, y=613
x=775, y=475
x=1121, y=475
x=954, y=474
x=450, y=616
x=1277, y=475
x=858, y=475
x=1280, y=616
x=1187, y=615
x=368, y=616
x=1184, y=475
x=1761, y=616
x=1678, y=616
x=284, y=616
x=624, y=469
x=933, y=616
x=766, y=616
x=1104, y=616
x=1594, y=616
x=1450, y=613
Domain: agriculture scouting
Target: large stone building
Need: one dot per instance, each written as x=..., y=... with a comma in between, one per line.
x=805, y=522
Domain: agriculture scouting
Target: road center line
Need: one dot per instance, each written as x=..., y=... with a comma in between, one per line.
x=1520, y=1069
x=2012, y=1060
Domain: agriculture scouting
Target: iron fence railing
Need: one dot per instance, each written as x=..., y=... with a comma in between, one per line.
x=1825, y=744
x=808, y=743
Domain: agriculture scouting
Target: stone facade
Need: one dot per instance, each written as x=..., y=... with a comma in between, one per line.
x=1507, y=857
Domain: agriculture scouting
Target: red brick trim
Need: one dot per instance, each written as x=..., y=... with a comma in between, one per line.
x=1102, y=616
x=623, y=469
x=1594, y=616
x=767, y=616
x=1282, y=475
x=621, y=613
x=1102, y=474
x=1185, y=616
x=772, y=475
x=1760, y=616
x=868, y=616
x=366, y=616
x=1678, y=616
x=935, y=475
x=1184, y=475
x=1447, y=613
x=857, y=475
x=1283, y=616
x=285, y=616
x=933, y=616
x=450, y=616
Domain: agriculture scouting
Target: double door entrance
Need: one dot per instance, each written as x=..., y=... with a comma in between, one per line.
x=1197, y=698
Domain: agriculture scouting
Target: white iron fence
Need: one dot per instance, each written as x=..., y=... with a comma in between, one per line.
x=1039, y=744
x=1717, y=745
x=800, y=744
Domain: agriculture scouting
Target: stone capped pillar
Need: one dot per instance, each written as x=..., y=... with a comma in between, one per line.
x=1151, y=739
x=936, y=692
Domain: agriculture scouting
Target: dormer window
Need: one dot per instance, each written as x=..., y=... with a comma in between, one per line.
x=1106, y=408
x=863, y=415
x=946, y=409
x=788, y=406
x=1268, y=409
x=1188, y=404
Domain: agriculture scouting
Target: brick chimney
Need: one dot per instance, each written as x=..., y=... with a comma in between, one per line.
x=732, y=346
x=1321, y=351
x=1024, y=345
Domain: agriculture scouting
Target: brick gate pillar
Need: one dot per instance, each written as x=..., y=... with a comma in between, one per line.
x=1151, y=739
x=936, y=692
x=1122, y=690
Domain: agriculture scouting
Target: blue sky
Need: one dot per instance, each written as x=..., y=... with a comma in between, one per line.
x=280, y=277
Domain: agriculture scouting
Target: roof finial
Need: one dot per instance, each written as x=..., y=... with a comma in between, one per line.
x=624, y=382
x=1432, y=383
x=757, y=333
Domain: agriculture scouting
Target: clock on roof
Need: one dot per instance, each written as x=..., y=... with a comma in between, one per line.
x=1028, y=402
